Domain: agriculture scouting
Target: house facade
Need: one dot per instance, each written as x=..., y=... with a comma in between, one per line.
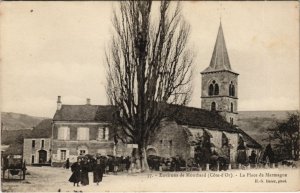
x=37, y=150
x=79, y=130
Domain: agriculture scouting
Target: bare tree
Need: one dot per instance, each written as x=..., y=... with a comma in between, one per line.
x=148, y=67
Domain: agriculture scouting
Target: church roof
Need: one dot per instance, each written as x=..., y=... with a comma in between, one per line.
x=220, y=59
x=192, y=116
x=250, y=142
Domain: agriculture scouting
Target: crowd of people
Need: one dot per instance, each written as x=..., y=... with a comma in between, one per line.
x=99, y=165
x=83, y=166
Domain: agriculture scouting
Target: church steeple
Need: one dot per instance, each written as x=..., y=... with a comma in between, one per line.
x=220, y=59
x=220, y=83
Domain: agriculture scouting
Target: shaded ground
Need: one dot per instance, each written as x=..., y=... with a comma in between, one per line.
x=49, y=179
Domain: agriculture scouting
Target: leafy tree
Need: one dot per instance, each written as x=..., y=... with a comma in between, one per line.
x=148, y=66
x=286, y=135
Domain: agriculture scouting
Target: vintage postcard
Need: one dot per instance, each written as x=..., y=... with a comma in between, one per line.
x=149, y=96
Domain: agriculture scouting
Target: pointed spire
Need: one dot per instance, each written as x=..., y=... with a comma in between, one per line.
x=219, y=60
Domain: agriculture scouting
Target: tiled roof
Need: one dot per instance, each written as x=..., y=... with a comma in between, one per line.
x=220, y=59
x=183, y=115
x=191, y=116
x=250, y=142
x=84, y=113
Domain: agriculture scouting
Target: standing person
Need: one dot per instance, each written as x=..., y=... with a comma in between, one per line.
x=127, y=163
x=75, y=177
x=85, y=173
x=116, y=164
x=252, y=158
x=97, y=171
x=67, y=164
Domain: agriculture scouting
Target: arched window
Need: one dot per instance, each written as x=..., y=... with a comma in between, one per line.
x=231, y=107
x=225, y=140
x=231, y=120
x=213, y=88
x=213, y=106
x=233, y=90
x=216, y=89
x=210, y=90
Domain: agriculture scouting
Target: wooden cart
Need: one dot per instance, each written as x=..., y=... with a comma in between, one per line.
x=13, y=167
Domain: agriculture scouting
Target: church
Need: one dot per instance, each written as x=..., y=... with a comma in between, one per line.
x=88, y=129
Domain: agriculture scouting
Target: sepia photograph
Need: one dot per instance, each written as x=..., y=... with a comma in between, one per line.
x=149, y=96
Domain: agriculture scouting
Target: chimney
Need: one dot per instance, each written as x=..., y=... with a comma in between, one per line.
x=59, y=103
x=88, y=101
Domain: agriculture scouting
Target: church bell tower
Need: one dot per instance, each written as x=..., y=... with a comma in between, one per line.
x=220, y=83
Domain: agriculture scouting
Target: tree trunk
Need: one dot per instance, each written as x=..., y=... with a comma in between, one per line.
x=143, y=159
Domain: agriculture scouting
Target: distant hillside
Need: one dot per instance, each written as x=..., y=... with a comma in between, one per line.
x=16, y=121
x=256, y=123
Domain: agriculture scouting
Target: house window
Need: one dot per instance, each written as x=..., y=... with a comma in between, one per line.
x=33, y=144
x=63, y=133
x=82, y=152
x=42, y=143
x=231, y=107
x=213, y=106
x=103, y=133
x=32, y=159
x=83, y=133
x=170, y=143
x=63, y=154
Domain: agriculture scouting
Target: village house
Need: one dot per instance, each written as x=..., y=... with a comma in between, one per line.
x=37, y=151
x=90, y=129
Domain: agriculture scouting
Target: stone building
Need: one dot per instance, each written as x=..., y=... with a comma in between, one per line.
x=90, y=129
x=179, y=133
x=37, y=150
x=79, y=130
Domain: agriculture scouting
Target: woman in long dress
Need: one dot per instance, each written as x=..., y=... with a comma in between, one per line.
x=97, y=171
x=85, y=173
x=75, y=177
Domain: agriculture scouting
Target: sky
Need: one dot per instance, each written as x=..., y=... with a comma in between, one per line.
x=57, y=48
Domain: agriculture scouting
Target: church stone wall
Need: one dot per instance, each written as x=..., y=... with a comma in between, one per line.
x=223, y=79
x=233, y=141
x=223, y=100
x=171, y=140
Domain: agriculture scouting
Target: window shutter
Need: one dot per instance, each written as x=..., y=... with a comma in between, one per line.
x=83, y=133
x=100, y=133
x=106, y=133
